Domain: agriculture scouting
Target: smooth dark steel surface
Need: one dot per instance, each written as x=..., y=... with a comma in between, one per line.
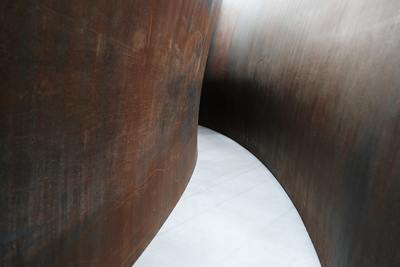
x=313, y=89
x=98, y=124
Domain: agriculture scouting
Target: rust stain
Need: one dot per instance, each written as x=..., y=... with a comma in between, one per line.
x=94, y=154
x=312, y=89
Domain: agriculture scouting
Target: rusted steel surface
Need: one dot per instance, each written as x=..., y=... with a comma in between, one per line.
x=313, y=89
x=98, y=124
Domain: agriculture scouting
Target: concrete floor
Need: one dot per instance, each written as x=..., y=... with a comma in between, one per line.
x=233, y=213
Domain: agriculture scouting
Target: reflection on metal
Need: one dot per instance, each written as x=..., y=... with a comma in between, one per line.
x=312, y=89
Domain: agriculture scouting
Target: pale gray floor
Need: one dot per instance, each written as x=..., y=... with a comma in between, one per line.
x=233, y=213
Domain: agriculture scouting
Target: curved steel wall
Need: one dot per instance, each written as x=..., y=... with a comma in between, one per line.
x=313, y=89
x=98, y=124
